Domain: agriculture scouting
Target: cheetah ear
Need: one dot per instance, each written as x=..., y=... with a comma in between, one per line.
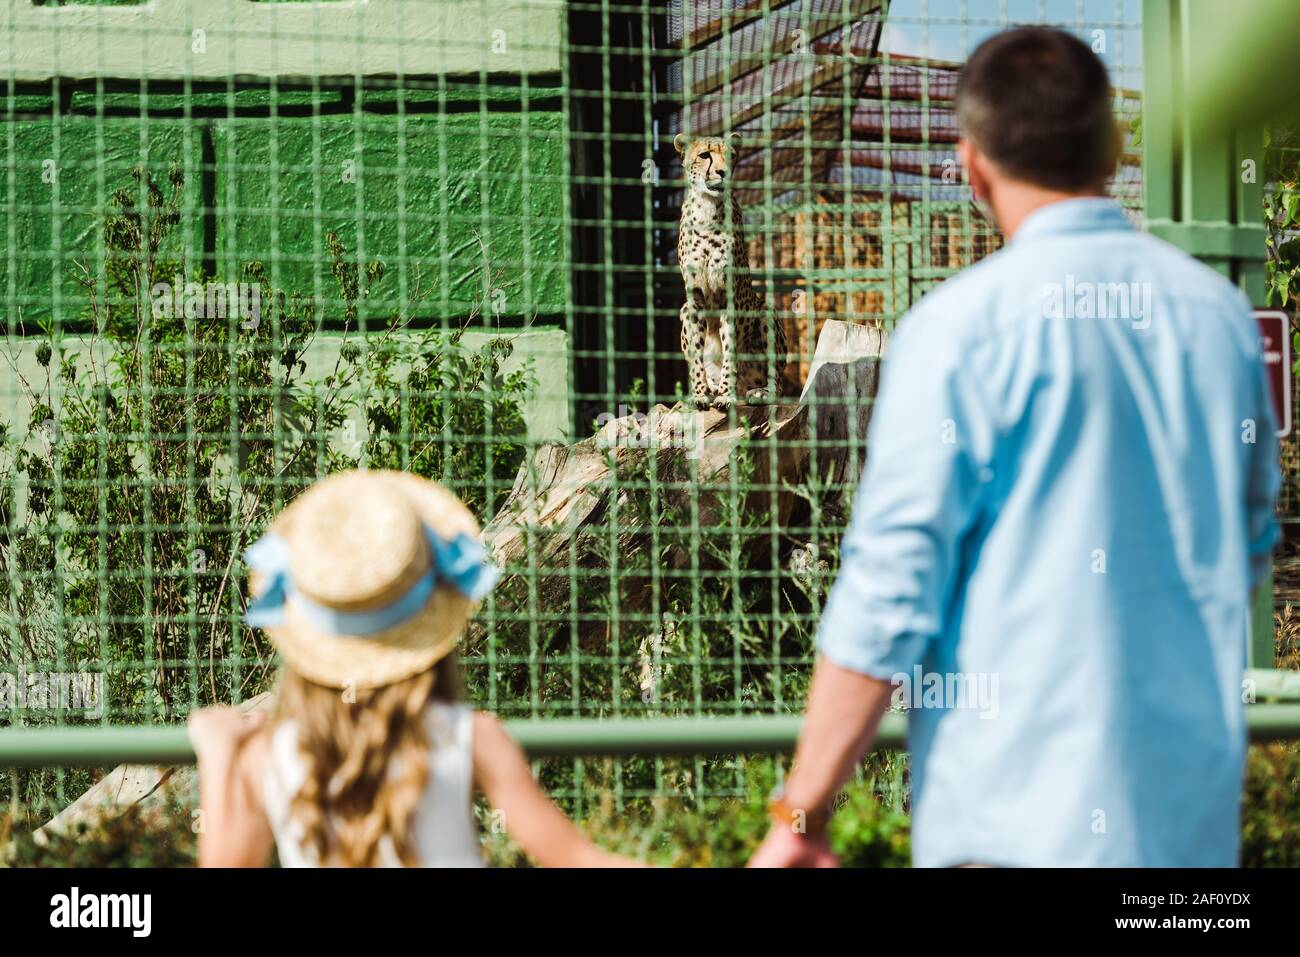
x=733, y=140
x=679, y=143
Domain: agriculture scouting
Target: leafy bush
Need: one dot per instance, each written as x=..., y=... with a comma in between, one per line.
x=675, y=831
x=133, y=838
x=716, y=832
x=1270, y=835
x=1282, y=221
x=712, y=614
x=159, y=443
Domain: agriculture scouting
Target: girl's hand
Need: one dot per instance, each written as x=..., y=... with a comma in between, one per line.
x=784, y=847
x=221, y=731
x=233, y=831
x=502, y=772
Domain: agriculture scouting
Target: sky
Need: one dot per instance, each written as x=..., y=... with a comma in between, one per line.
x=950, y=29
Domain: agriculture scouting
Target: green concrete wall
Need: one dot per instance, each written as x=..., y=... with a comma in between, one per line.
x=441, y=196
x=454, y=178
x=59, y=178
x=457, y=172
x=475, y=186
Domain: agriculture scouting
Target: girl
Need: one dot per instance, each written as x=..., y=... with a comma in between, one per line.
x=364, y=584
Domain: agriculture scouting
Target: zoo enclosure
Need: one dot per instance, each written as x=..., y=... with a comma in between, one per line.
x=510, y=166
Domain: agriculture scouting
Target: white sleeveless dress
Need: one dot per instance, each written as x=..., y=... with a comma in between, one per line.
x=445, y=833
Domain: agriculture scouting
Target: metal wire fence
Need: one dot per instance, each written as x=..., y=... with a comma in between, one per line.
x=250, y=244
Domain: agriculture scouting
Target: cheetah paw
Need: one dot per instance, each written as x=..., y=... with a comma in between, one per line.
x=709, y=402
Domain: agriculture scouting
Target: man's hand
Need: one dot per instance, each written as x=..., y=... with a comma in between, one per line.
x=844, y=710
x=785, y=847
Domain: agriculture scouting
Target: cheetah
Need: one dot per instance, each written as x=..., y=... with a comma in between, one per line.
x=727, y=334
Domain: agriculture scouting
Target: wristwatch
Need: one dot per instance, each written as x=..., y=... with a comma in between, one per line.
x=799, y=820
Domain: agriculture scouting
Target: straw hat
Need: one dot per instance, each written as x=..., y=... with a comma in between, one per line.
x=368, y=578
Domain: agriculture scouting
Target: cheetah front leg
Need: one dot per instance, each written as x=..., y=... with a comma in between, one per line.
x=753, y=384
x=725, y=389
x=693, y=332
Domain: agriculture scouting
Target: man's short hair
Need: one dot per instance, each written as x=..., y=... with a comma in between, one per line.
x=1037, y=102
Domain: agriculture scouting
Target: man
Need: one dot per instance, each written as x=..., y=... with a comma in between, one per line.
x=1069, y=495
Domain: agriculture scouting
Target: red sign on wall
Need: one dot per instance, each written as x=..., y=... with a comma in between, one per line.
x=1275, y=343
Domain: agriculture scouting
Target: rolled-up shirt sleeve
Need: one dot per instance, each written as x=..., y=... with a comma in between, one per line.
x=928, y=456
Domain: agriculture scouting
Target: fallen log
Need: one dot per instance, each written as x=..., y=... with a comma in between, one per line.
x=591, y=510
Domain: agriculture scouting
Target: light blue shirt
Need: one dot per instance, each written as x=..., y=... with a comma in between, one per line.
x=1068, y=496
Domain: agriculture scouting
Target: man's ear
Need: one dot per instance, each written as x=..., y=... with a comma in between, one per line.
x=679, y=143
x=964, y=150
x=973, y=164
x=1115, y=149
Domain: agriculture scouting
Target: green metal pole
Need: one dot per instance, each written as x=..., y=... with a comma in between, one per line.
x=1274, y=722
x=105, y=746
x=1272, y=685
x=1201, y=186
x=1262, y=650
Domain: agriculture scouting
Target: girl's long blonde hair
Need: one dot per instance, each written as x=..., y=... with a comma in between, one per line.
x=367, y=762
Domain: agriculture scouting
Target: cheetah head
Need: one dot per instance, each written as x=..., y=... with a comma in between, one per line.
x=706, y=162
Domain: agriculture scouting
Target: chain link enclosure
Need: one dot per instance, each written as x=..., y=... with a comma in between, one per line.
x=249, y=244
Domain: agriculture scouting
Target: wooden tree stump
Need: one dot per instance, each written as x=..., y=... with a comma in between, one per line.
x=589, y=509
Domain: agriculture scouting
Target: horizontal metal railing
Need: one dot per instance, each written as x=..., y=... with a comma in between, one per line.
x=103, y=746
x=557, y=737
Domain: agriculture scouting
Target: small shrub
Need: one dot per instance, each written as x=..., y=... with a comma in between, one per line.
x=134, y=838
x=1270, y=836
x=159, y=445
x=725, y=831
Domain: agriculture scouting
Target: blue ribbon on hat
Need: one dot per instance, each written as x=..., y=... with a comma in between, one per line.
x=460, y=563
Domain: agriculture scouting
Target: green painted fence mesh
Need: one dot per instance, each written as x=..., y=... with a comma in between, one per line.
x=250, y=244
